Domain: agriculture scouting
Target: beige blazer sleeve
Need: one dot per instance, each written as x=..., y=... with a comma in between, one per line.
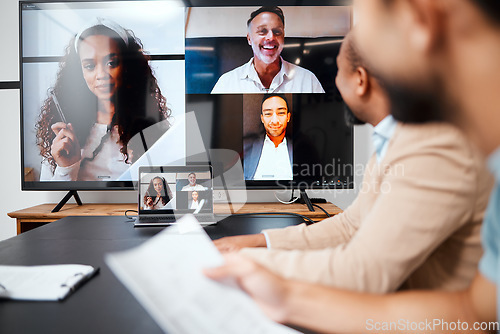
x=412, y=214
x=329, y=232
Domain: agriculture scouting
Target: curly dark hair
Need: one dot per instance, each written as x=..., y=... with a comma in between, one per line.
x=139, y=102
x=151, y=192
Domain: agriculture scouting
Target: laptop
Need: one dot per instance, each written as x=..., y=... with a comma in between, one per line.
x=167, y=193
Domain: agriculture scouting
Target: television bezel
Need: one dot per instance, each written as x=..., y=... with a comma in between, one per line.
x=132, y=185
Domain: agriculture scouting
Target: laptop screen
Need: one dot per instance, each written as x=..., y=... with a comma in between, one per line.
x=175, y=190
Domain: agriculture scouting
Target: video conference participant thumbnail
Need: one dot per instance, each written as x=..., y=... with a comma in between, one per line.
x=267, y=71
x=158, y=194
x=192, y=185
x=88, y=141
x=196, y=203
x=194, y=191
x=269, y=156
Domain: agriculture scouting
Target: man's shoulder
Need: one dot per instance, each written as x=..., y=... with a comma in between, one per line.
x=252, y=140
x=308, y=81
x=292, y=66
x=428, y=135
x=227, y=81
x=438, y=143
x=298, y=70
x=236, y=73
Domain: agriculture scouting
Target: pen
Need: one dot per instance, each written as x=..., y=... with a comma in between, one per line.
x=58, y=107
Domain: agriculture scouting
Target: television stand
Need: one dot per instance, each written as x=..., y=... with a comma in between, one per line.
x=306, y=200
x=66, y=198
x=33, y=217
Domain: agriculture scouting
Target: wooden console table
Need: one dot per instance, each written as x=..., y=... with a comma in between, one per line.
x=39, y=215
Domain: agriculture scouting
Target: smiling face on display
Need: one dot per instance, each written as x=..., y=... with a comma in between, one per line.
x=101, y=65
x=266, y=35
x=192, y=179
x=275, y=116
x=158, y=185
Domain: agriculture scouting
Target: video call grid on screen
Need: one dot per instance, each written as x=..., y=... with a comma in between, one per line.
x=179, y=193
x=183, y=42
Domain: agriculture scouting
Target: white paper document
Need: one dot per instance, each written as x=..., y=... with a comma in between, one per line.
x=52, y=282
x=165, y=275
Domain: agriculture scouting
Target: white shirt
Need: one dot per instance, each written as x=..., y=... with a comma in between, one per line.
x=274, y=162
x=197, y=204
x=290, y=79
x=196, y=187
x=382, y=134
x=157, y=204
x=107, y=165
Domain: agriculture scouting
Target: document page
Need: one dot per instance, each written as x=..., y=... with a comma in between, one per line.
x=165, y=275
x=52, y=282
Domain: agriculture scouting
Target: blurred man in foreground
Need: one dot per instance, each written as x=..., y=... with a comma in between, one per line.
x=385, y=240
x=439, y=59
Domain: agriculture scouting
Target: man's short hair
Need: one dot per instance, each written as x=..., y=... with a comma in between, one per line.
x=355, y=59
x=268, y=96
x=353, y=55
x=192, y=173
x=267, y=9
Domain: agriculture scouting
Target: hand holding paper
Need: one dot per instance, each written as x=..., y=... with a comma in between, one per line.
x=166, y=275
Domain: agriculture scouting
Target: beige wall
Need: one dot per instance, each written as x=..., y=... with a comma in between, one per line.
x=231, y=22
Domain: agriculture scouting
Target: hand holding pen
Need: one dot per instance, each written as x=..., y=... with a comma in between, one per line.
x=65, y=148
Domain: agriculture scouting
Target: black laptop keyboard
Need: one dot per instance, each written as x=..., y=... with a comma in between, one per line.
x=173, y=218
x=158, y=218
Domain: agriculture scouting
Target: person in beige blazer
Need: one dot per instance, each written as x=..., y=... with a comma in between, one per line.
x=415, y=46
x=415, y=223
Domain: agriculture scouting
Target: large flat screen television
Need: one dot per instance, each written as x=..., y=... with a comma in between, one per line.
x=112, y=85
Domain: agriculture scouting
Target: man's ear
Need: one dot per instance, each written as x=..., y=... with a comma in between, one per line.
x=248, y=39
x=362, y=82
x=428, y=22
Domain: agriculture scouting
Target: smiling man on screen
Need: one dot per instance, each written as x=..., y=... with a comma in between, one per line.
x=267, y=72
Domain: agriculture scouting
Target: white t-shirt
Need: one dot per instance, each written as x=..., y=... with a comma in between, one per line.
x=290, y=79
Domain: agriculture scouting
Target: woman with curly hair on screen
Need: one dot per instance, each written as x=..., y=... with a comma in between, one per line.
x=105, y=93
x=158, y=194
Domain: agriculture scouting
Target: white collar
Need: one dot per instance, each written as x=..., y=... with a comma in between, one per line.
x=386, y=127
x=251, y=73
x=494, y=163
x=270, y=141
